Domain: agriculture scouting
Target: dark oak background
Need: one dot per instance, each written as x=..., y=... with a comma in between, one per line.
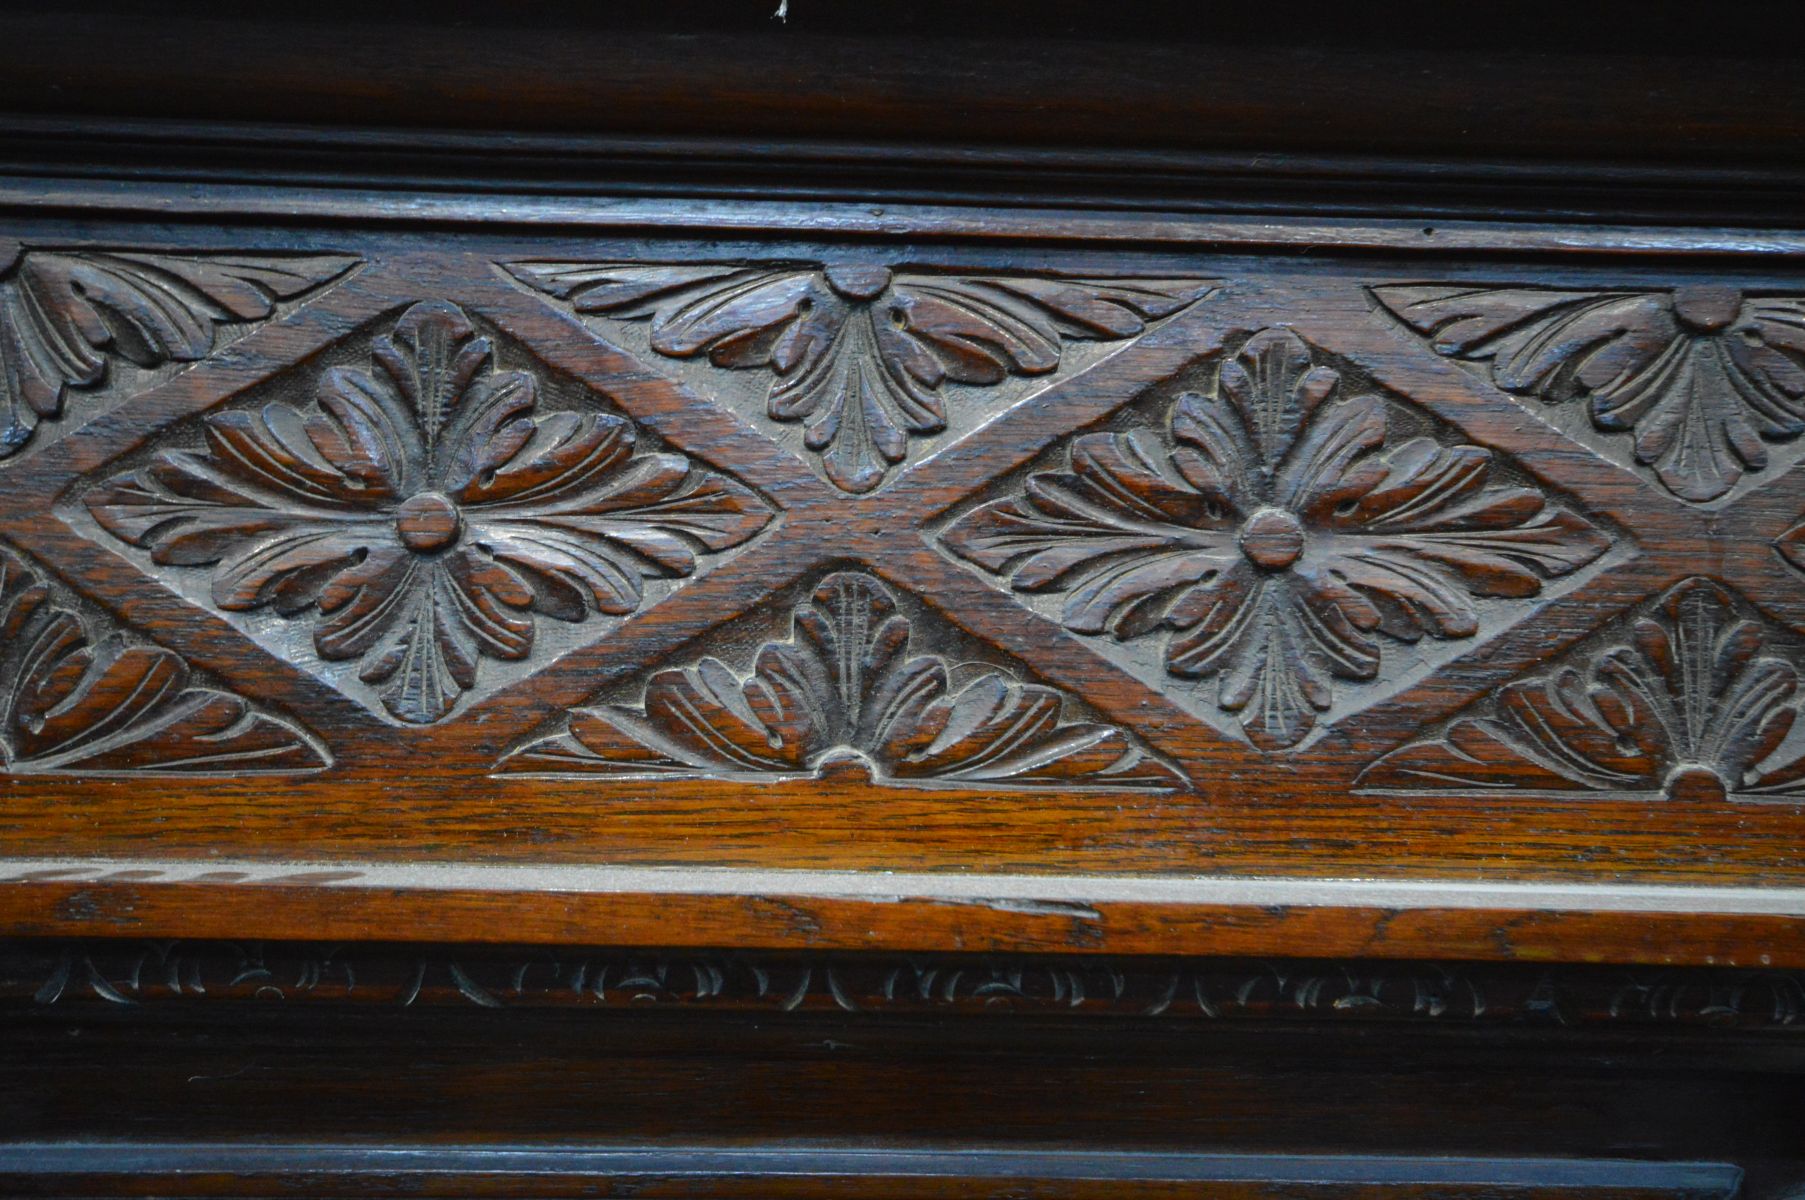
x=1336, y=959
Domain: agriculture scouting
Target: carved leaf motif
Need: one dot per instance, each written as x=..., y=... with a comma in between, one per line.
x=1702, y=379
x=64, y=314
x=1688, y=704
x=846, y=686
x=426, y=511
x=1278, y=535
x=859, y=352
x=75, y=703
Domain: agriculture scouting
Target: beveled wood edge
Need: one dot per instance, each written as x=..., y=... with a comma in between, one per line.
x=23, y=195
x=792, y=1169
x=890, y=911
x=1339, y=184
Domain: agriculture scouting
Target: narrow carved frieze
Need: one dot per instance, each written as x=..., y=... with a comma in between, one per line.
x=219, y=975
x=1275, y=535
x=67, y=316
x=81, y=697
x=1700, y=383
x=847, y=689
x=860, y=354
x=421, y=510
x=1696, y=698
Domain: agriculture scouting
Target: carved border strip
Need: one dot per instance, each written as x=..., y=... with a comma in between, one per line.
x=727, y=216
x=224, y=973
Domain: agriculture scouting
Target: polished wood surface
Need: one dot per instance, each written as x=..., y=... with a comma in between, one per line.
x=1516, y=644
x=901, y=601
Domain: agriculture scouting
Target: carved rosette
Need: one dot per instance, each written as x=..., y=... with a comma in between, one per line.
x=860, y=353
x=79, y=699
x=1692, y=701
x=66, y=316
x=1277, y=535
x=1702, y=380
x=423, y=511
x=844, y=691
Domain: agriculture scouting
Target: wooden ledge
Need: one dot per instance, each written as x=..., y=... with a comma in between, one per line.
x=889, y=911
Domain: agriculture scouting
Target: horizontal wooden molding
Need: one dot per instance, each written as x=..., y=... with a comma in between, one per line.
x=1348, y=183
x=1147, y=225
x=858, y=910
x=48, y=972
x=934, y=1172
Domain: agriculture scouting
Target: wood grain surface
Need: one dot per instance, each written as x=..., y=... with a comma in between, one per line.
x=902, y=600
x=1517, y=628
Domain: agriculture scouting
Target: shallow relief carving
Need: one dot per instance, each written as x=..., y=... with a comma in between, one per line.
x=865, y=682
x=1699, y=386
x=1280, y=547
x=416, y=519
x=1694, y=698
x=71, y=321
x=214, y=975
x=81, y=696
x=865, y=358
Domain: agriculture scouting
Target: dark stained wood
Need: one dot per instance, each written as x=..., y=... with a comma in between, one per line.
x=902, y=600
x=1612, y=550
x=99, y=1170
x=1611, y=80
x=180, y=1083
x=228, y=978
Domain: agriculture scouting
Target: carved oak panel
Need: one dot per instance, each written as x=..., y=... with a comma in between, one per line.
x=1275, y=534
x=422, y=509
x=668, y=552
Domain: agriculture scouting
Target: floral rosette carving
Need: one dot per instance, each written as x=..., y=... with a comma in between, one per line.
x=1278, y=535
x=425, y=512
x=1692, y=703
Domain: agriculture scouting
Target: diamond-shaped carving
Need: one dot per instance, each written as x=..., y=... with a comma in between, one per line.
x=860, y=354
x=1285, y=546
x=416, y=522
x=860, y=683
x=1696, y=699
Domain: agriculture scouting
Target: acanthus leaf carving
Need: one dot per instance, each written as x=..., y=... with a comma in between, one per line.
x=425, y=511
x=73, y=701
x=845, y=686
x=1689, y=702
x=66, y=314
x=859, y=354
x=1278, y=535
x=1703, y=379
